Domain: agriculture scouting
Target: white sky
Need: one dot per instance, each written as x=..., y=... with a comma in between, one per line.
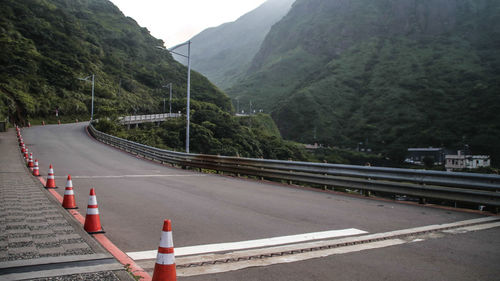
x=177, y=21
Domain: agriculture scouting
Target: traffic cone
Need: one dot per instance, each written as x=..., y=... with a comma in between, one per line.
x=43, y=123
x=26, y=155
x=59, y=122
x=23, y=148
x=29, y=124
x=30, y=161
x=21, y=142
x=165, y=260
x=36, y=169
x=92, y=221
x=69, y=195
x=51, y=182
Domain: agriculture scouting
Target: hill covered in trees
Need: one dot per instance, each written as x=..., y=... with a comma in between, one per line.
x=388, y=74
x=48, y=44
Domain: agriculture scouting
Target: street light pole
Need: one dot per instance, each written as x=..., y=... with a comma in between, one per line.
x=92, y=107
x=92, y=110
x=170, y=104
x=170, y=101
x=171, y=50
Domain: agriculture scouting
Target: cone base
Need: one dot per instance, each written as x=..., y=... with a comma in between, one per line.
x=72, y=208
x=51, y=187
x=96, y=232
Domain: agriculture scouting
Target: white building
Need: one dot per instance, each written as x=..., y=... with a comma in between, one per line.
x=463, y=161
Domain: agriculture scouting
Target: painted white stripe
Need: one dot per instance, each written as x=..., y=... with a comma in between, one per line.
x=92, y=211
x=69, y=192
x=473, y=228
x=133, y=176
x=166, y=239
x=165, y=259
x=286, y=259
x=487, y=223
x=92, y=200
x=210, y=248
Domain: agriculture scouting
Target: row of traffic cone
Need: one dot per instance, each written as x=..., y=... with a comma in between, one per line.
x=165, y=260
x=92, y=220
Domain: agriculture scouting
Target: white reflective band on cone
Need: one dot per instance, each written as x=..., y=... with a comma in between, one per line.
x=69, y=183
x=68, y=192
x=50, y=177
x=165, y=259
x=166, y=240
x=92, y=200
x=92, y=211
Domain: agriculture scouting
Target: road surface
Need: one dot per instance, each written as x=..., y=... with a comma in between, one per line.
x=136, y=195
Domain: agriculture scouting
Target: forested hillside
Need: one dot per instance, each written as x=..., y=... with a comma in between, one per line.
x=388, y=74
x=224, y=53
x=46, y=45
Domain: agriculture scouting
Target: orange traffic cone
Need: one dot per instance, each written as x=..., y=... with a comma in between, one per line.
x=23, y=148
x=26, y=155
x=51, y=182
x=69, y=195
x=30, y=161
x=92, y=221
x=165, y=260
x=21, y=142
x=36, y=169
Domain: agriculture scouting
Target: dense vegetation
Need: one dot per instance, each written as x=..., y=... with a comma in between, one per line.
x=387, y=74
x=46, y=45
x=213, y=131
x=224, y=53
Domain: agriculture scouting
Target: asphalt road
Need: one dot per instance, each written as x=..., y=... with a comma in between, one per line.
x=135, y=196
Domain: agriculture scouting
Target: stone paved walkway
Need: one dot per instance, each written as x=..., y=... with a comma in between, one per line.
x=38, y=238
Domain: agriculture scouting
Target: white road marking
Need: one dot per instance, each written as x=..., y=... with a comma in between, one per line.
x=131, y=176
x=231, y=246
x=473, y=228
x=484, y=223
x=285, y=259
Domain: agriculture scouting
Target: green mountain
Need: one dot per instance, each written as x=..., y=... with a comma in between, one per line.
x=384, y=73
x=224, y=53
x=47, y=44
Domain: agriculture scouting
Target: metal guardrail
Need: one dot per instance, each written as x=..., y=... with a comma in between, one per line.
x=481, y=189
x=137, y=119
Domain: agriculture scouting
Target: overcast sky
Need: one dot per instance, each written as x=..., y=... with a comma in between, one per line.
x=177, y=21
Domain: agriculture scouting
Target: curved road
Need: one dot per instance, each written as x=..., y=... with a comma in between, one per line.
x=135, y=196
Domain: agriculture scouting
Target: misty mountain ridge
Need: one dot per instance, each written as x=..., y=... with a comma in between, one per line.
x=224, y=53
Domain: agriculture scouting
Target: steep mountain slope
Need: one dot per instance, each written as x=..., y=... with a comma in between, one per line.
x=389, y=74
x=47, y=44
x=223, y=53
